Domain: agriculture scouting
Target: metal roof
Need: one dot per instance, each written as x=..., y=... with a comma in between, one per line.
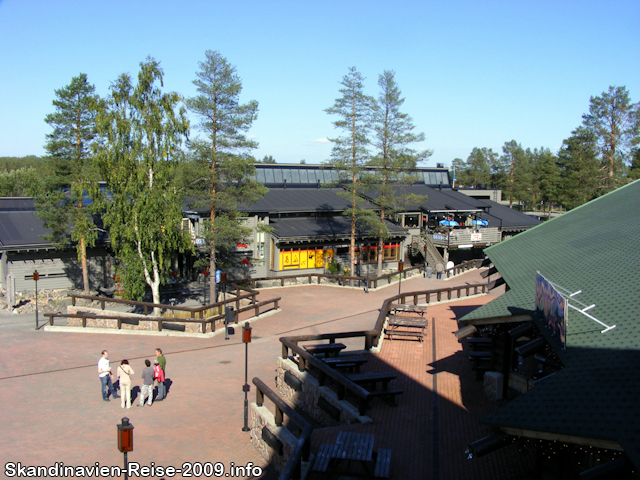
x=593, y=248
x=291, y=200
x=323, y=228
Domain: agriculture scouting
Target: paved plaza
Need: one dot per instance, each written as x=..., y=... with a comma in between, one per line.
x=53, y=411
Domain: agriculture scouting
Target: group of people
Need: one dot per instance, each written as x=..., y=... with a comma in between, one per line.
x=123, y=375
x=440, y=269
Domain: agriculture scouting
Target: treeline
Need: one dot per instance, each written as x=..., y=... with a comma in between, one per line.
x=601, y=155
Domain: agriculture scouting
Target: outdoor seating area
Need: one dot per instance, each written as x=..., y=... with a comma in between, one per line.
x=353, y=454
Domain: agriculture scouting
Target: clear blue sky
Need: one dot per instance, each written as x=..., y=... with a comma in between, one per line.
x=474, y=74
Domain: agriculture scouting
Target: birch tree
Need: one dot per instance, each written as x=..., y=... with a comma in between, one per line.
x=141, y=131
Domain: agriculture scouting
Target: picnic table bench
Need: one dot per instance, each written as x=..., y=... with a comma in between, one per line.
x=372, y=378
x=352, y=446
x=405, y=307
x=405, y=327
x=328, y=349
x=346, y=361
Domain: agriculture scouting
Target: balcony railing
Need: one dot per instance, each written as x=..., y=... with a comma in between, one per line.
x=462, y=236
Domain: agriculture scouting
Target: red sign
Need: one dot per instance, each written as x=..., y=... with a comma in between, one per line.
x=242, y=245
x=245, y=261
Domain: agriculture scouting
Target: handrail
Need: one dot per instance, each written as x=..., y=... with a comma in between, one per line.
x=160, y=320
x=251, y=294
x=301, y=453
x=343, y=382
x=371, y=280
x=402, y=298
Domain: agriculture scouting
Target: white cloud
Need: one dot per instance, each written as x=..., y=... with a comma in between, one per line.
x=321, y=140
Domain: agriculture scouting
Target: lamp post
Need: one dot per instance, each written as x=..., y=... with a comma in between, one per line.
x=400, y=267
x=36, y=277
x=125, y=442
x=246, y=339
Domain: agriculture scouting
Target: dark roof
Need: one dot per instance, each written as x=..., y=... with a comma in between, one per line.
x=20, y=229
x=323, y=228
x=290, y=200
x=593, y=248
x=450, y=200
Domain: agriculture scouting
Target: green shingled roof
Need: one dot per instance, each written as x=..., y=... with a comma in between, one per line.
x=594, y=248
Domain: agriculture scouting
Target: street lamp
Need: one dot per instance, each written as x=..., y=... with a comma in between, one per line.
x=125, y=442
x=400, y=267
x=36, y=277
x=246, y=339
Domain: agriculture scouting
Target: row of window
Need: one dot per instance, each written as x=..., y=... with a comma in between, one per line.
x=298, y=259
x=313, y=176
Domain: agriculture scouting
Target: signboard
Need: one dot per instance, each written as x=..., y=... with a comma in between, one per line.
x=476, y=237
x=553, y=307
x=218, y=272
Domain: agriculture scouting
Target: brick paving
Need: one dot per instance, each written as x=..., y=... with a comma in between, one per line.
x=52, y=410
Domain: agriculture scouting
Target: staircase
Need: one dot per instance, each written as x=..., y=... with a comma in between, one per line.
x=433, y=255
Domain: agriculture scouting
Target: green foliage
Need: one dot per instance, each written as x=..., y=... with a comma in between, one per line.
x=350, y=153
x=579, y=168
x=547, y=176
x=8, y=164
x=24, y=182
x=141, y=130
x=518, y=180
x=334, y=268
x=62, y=203
x=395, y=159
x=613, y=121
x=222, y=171
x=268, y=159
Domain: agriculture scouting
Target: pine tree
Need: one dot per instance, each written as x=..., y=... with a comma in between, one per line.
x=141, y=130
x=579, y=165
x=63, y=203
x=223, y=171
x=613, y=120
x=395, y=159
x=517, y=171
x=548, y=176
x=350, y=152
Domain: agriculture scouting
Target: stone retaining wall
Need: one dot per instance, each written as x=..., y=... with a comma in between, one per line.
x=307, y=398
x=261, y=417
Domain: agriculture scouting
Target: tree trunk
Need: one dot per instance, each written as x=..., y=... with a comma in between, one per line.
x=85, y=269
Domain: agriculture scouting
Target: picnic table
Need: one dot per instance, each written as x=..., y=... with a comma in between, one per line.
x=372, y=378
x=351, y=446
x=405, y=327
x=346, y=361
x=407, y=308
x=328, y=349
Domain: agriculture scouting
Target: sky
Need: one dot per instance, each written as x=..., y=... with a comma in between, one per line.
x=473, y=73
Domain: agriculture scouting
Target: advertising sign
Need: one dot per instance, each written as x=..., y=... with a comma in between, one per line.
x=552, y=306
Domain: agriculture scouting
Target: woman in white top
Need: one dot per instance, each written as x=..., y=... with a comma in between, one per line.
x=124, y=375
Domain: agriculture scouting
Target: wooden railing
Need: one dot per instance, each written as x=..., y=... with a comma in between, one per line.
x=251, y=294
x=212, y=320
x=343, y=383
x=293, y=468
x=372, y=282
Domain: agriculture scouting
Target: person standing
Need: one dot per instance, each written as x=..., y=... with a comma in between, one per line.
x=104, y=372
x=147, y=384
x=161, y=377
x=124, y=377
x=439, y=270
x=428, y=271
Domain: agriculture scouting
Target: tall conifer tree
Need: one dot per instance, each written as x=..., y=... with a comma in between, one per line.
x=350, y=151
x=63, y=204
x=223, y=170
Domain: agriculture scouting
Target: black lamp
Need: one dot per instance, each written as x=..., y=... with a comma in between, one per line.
x=125, y=442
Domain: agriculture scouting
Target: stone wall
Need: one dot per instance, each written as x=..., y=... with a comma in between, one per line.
x=143, y=321
x=261, y=417
x=307, y=398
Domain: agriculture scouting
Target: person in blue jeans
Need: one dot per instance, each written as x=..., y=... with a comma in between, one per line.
x=162, y=362
x=104, y=372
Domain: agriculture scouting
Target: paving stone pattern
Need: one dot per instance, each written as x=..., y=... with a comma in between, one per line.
x=53, y=411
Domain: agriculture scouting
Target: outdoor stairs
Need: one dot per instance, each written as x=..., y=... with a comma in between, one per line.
x=433, y=255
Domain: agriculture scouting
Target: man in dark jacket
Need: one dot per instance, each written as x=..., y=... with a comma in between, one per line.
x=147, y=384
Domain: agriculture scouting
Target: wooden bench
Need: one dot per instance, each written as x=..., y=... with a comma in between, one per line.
x=383, y=463
x=324, y=456
x=372, y=378
x=479, y=341
x=404, y=307
x=411, y=327
x=390, y=395
x=346, y=361
x=479, y=355
x=327, y=349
